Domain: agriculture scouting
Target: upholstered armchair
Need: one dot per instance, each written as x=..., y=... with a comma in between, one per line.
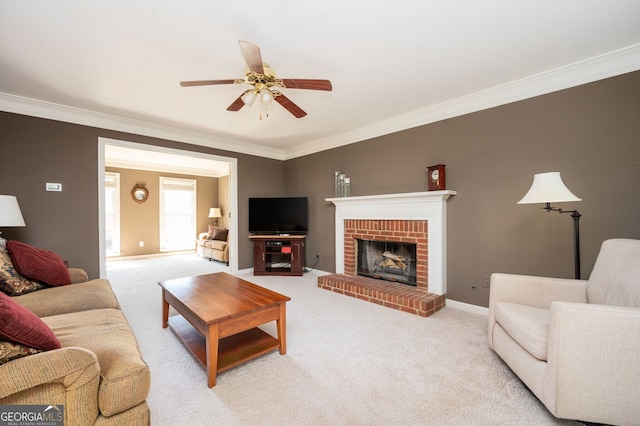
x=575, y=343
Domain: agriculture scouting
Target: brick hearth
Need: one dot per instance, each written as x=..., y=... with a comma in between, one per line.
x=397, y=296
x=415, y=300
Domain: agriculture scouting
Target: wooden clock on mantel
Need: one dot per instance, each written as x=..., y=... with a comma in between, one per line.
x=436, y=178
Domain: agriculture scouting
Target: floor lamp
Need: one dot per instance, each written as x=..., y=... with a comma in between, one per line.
x=549, y=188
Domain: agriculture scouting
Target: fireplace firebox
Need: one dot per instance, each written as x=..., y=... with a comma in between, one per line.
x=387, y=260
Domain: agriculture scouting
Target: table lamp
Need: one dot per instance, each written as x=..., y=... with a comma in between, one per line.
x=215, y=213
x=10, y=215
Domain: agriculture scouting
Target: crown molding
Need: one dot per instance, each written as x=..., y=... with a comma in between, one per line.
x=593, y=69
x=597, y=68
x=52, y=111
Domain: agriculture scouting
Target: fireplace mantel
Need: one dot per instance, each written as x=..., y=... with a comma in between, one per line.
x=430, y=206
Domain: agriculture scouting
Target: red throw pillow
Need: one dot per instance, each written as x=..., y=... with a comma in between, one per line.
x=37, y=264
x=20, y=325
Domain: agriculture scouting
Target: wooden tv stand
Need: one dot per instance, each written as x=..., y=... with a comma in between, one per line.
x=278, y=254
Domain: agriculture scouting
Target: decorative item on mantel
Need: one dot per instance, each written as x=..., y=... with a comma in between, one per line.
x=342, y=185
x=436, y=178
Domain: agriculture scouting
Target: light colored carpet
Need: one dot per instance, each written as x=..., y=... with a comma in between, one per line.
x=348, y=362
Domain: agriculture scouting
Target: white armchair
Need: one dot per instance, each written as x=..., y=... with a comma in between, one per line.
x=575, y=343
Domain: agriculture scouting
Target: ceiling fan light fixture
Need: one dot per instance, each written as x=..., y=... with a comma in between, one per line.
x=248, y=97
x=265, y=96
x=263, y=78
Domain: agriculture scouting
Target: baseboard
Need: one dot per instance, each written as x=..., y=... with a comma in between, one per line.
x=245, y=271
x=145, y=256
x=467, y=307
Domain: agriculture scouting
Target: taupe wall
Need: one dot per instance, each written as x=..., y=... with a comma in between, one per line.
x=141, y=221
x=35, y=151
x=591, y=134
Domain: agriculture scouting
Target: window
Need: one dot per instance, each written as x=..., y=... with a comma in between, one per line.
x=177, y=214
x=112, y=213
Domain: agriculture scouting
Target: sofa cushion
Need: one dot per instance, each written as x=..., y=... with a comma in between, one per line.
x=615, y=276
x=20, y=325
x=94, y=294
x=39, y=265
x=216, y=245
x=10, y=351
x=124, y=376
x=527, y=325
x=11, y=282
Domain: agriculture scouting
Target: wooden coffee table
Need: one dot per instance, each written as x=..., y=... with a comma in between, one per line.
x=219, y=315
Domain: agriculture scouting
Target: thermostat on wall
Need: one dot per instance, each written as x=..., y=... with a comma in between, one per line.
x=57, y=187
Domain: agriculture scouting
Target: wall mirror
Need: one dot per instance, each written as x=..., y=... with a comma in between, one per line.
x=139, y=193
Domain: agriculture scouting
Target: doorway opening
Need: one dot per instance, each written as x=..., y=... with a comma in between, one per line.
x=173, y=161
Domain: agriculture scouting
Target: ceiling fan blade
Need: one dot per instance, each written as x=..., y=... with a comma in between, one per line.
x=205, y=82
x=301, y=83
x=290, y=106
x=252, y=56
x=236, y=105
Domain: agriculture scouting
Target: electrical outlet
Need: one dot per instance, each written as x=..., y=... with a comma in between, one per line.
x=141, y=244
x=486, y=282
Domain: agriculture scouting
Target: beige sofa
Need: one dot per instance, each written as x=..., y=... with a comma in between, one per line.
x=213, y=249
x=575, y=343
x=98, y=374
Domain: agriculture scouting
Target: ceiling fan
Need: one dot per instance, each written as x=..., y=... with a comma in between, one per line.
x=265, y=84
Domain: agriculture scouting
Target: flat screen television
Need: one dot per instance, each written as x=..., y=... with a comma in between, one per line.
x=278, y=216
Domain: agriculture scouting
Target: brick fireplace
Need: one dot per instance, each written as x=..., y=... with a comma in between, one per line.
x=416, y=218
x=404, y=231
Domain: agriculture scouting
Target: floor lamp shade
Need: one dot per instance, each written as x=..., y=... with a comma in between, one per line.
x=548, y=188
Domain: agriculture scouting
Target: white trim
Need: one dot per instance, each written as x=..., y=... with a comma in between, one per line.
x=146, y=256
x=603, y=66
x=116, y=223
x=610, y=64
x=467, y=307
x=233, y=195
x=245, y=271
x=68, y=114
x=430, y=206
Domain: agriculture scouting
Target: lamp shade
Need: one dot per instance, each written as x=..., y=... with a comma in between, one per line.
x=266, y=96
x=215, y=212
x=10, y=214
x=248, y=97
x=548, y=188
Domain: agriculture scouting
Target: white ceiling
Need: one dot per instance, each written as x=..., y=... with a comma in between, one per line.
x=393, y=65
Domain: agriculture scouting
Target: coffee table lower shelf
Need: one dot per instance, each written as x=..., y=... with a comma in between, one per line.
x=232, y=350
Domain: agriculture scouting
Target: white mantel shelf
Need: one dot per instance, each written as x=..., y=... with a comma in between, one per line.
x=430, y=206
x=406, y=197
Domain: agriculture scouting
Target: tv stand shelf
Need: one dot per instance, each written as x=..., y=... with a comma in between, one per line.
x=278, y=254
